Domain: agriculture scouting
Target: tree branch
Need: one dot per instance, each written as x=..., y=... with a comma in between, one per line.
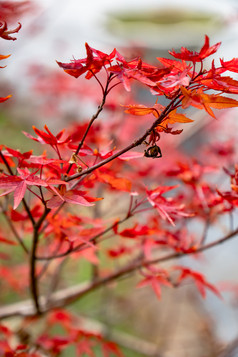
x=33, y=261
x=67, y=296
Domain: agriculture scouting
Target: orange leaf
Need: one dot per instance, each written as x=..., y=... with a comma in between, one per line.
x=4, y=57
x=143, y=110
x=206, y=101
x=220, y=102
x=118, y=183
x=3, y=99
x=175, y=117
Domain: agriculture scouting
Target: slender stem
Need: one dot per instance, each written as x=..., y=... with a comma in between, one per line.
x=33, y=261
x=14, y=231
x=94, y=117
x=129, y=147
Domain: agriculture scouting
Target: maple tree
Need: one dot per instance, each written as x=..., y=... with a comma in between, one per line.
x=49, y=200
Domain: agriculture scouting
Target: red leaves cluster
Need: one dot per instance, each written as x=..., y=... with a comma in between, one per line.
x=5, y=33
x=231, y=196
x=201, y=283
x=166, y=207
x=91, y=65
x=205, y=52
x=74, y=334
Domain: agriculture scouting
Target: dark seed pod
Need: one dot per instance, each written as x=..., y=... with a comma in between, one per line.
x=153, y=151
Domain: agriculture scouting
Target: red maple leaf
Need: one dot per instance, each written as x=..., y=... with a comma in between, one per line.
x=166, y=207
x=46, y=137
x=72, y=196
x=19, y=184
x=231, y=65
x=200, y=281
x=92, y=64
x=194, y=56
x=162, y=278
x=5, y=33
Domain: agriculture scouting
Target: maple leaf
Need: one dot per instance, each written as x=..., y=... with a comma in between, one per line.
x=119, y=251
x=72, y=196
x=156, y=281
x=190, y=173
x=200, y=281
x=194, y=56
x=231, y=65
x=156, y=110
x=174, y=117
x=141, y=110
x=19, y=184
x=206, y=101
x=109, y=348
x=175, y=80
x=119, y=183
x=54, y=344
x=47, y=137
x=213, y=79
x=5, y=33
x=36, y=212
x=17, y=154
x=164, y=128
x=138, y=70
x=134, y=232
x=165, y=206
x=60, y=316
x=173, y=64
x=221, y=83
x=92, y=64
x=231, y=196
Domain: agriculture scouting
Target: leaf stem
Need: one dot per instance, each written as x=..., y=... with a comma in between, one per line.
x=33, y=262
x=94, y=117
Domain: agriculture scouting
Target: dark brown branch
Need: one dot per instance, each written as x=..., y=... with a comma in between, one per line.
x=33, y=261
x=67, y=296
x=33, y=277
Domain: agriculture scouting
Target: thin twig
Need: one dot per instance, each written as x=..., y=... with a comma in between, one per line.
x=14, y=231
x=94, y=117
x=33, y=261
